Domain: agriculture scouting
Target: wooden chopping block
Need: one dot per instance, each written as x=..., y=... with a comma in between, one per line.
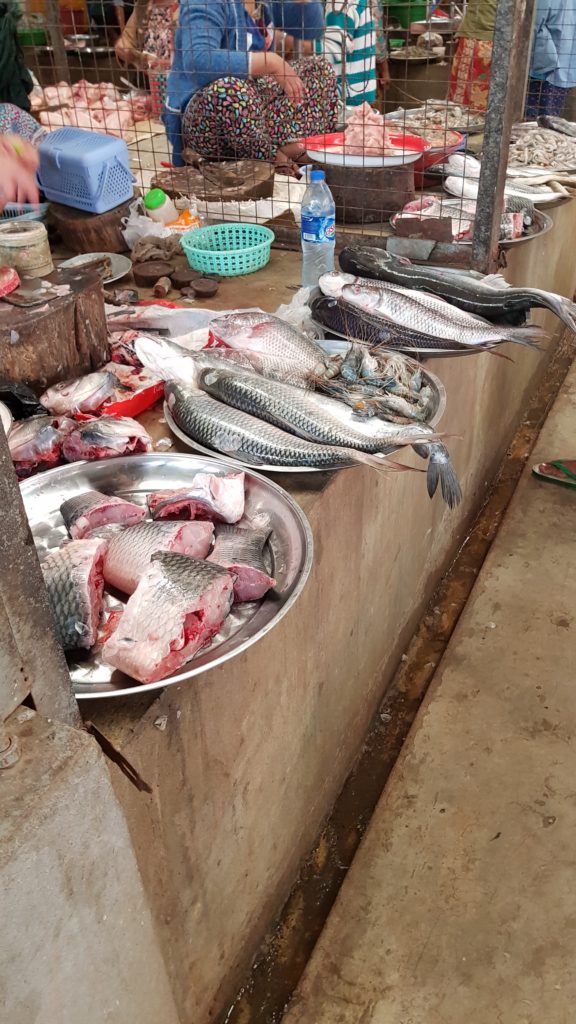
x=66, y=337
x=369, y=195
x=90, y=232
x=231, y=180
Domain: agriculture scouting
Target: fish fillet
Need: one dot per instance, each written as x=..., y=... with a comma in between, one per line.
x=178, y=606
x=75, y=584
x=91, y=510
x=241, y=551
x=219, y=498
x=130, y=551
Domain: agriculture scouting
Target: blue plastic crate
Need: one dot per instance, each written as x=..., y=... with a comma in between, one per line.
x=86, y=170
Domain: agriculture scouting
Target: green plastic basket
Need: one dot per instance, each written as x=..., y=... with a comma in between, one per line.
x=228, y=249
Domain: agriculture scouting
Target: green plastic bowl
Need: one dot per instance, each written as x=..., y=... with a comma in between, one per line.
x=228, y=250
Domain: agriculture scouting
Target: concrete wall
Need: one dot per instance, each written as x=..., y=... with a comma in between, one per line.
x=246, y=761
x=77, y=942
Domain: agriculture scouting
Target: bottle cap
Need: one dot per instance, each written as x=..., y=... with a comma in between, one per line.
x=317, y=176
x=154, y=199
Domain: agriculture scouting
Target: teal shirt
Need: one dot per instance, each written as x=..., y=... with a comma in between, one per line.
x=357, y=21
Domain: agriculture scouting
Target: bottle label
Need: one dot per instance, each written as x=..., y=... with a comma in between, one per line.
x=318, y=229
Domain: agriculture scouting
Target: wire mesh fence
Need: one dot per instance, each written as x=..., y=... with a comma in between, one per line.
x=233, y=102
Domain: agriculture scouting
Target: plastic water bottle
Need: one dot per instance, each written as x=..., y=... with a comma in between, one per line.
x=318, y=230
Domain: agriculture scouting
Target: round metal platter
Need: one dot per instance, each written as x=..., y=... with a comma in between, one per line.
x=288, y=555
x=541, y=226
x=369, y=427
x=474, y=128
x=120, y=265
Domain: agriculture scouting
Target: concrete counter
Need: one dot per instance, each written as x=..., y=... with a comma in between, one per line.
x=246, y=761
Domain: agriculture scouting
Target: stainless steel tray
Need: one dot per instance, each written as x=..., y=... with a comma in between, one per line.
x=289, y=554
x=333, y=345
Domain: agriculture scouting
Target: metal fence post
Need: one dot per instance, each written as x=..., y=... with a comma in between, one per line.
x=512, y=37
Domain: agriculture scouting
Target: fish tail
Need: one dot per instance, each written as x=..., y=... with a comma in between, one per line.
x=528, y=336
x=564, y=308
x=440, y=471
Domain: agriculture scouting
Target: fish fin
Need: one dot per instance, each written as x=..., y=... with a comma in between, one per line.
x=496, y=281
x=383, y=465
x=440, y=471
x=529, y=336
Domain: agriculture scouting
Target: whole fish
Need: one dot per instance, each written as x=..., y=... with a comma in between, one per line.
x=237, y=434
x=84, y=394
x=426, y=313
x=172, y=362
x=92, y=510
x=491, y=296
x=106, y=438
x=286, y=354
x=308, y=415
x=217, y=498
x=241, y=551
x=468, y=189
x=557, y=124
x=178, y=606
x=130, y=550
x=75, y=585
x=324, y=420
x=358, y=325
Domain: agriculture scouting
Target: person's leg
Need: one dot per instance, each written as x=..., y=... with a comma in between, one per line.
x=469, y=81
x=317, y=113
x=17, y=122
x=553, y=100
x=226, y=120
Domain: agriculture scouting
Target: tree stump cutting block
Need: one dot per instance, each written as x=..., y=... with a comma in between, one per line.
x=231, y=180
x=90, y=232
x=66, y=337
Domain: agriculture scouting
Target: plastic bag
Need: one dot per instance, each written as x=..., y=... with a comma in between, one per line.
x=297, y=314
x=137, y=225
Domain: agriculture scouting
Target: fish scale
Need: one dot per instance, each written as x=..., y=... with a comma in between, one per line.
x=178, y=606
x=131, y=549
x=423, y=312
x=309, y=416
x=241, y=550
x=490, y=296
x=240, y=435
x=74, y=583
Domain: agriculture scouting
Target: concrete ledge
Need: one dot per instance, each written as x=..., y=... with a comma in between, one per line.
x=253, y=755
x=77, y=941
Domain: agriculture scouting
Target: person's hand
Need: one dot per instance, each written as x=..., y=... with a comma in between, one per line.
x=383, y=73
x=289, y=81
x=271, y=64
x=18, y=164
x=123, y=52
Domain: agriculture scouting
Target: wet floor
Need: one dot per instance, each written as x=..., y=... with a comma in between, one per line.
x=287, y=949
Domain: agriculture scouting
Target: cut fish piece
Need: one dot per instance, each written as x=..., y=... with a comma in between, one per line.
x=178, y=606
x=130, y=550
x=91, y=510
x=242, y=552
x=105, y=438
x=75, y=584
x=218, y=498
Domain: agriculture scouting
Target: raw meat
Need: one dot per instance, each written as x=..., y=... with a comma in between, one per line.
x=241, y=551
x=92, y=510
x=219, y=498
x=367, y=134
x=106, y=438
x=101, y=107
x=178, y=606
x=75, y=585
x=130, y=551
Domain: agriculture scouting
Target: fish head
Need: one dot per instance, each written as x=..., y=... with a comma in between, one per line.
x=235, y=327
x=360, y=295
x=333, y=284
x=38, y=431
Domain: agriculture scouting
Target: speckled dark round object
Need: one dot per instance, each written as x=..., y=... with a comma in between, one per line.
x=205, y=287
x=184, y=277
x=146, y=274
